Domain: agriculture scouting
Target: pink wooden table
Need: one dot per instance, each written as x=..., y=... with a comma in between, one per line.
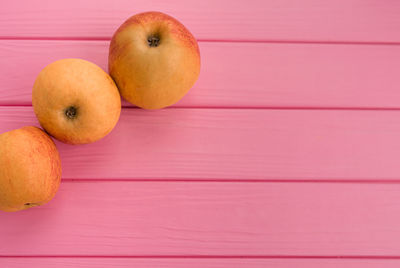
x=286, y=153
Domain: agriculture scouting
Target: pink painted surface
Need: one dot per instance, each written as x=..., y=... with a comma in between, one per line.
x=209, y=219
x=265, y=75
x=284, y=154
x=274, y=20
x=193, y=263
x=235, y=144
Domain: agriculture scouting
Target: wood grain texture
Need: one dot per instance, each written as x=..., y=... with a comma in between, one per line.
x=206, y=218
x=308, y=20
x=235, y=144
x=238, y=74
x=194, y=263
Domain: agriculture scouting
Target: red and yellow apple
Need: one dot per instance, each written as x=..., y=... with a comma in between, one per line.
x=154, y=60
x=30, y=170
x=75, y=101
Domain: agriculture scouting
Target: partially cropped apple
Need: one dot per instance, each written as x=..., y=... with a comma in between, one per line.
x=154, y=60
x=30, y=169
x=75, y=101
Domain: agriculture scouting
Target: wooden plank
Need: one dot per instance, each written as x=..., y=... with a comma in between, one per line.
x=194, y=263
x=235, y=144
x=239, y=74
x=208, y=218
x=307, y=20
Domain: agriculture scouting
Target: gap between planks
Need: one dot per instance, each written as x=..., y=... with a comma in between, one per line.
x=277, y=108
x=359, y=257
x=352, y=181
x=266, y=41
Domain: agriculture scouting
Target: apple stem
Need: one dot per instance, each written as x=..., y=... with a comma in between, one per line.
x=71, y=112
x=31, y=204
x=153, y=41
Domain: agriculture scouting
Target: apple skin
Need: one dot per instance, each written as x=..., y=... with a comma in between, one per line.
x=153, y=75
x=30, y=172
x=76, y=101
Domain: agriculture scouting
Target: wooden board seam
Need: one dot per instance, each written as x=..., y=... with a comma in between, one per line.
x=348, y=257
x=263, y=41
x=227, y=180
x=276, y=108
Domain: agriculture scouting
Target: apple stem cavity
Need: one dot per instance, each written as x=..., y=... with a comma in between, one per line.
x=71, y=112
x=31, y=204
x=153, y=41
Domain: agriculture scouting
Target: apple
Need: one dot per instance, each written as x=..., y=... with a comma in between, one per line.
x=75, y=101
x=154, y=60
x=30, y=172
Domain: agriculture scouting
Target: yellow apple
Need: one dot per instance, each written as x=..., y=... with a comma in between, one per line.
x=30, y=169
x=154, y=60
x=75, y=101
